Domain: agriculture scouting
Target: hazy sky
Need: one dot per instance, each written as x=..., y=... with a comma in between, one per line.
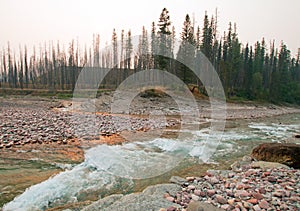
x=35, y=21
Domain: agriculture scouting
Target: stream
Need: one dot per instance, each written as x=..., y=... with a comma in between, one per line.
x=132, y=166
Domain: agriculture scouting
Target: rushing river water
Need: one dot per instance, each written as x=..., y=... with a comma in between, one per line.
x=121, y=168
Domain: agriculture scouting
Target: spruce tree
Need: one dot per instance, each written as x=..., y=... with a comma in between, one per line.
x=164, y=40
x=186, y=53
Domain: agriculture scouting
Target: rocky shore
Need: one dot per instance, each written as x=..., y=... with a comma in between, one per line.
x=250, y=186
x=40, y=122
x=37, y=120
x=35, y=128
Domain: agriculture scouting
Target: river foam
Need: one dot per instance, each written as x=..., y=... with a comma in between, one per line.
x=104, y=165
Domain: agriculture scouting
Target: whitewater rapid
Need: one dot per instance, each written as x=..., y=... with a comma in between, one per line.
x=105, y=167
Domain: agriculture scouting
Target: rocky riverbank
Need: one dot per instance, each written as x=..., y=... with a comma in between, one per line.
x=250, y=186
x=32, y=121
x=37, y=136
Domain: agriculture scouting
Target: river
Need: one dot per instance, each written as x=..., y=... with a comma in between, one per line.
x=134, y=165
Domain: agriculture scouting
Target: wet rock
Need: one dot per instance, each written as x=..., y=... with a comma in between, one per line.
x=287, y=153
x=177, y=180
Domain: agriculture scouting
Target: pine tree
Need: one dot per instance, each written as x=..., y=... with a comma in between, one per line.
x=122, y=51
x=154, y=47
x=10, y=68
x=284, y=60
x=96, y=48
x=15, y=74
x=54, y=69
x=26, y=68
x=186, y=53
x=249, y=75
x=198, y=38
x=207, y=38
x=164, y=40
x=115, y=48
x=236, y=62
x=144, y=50
x=115, y=57
x=128, y=52
x=21, y=69
x=71, y=66
x=4, y=75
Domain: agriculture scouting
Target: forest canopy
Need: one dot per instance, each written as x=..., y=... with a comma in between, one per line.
x=259, y=72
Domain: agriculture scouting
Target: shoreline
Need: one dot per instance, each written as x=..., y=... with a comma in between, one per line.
x=70, y=150
x=254, y=185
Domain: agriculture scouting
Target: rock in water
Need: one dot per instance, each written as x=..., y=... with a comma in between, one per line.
x=288, y=154
x=178, y=180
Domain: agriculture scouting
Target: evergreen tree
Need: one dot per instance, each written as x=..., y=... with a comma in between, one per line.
x=21, y=69
x=15, y=74
x=115, y=48
x=129, y=49
x=122, y=52
x=285, y=91
x=96, y=48
x=10, y=68
x=186, y=53
x=4, y=74
x=164, y=40
x=26, y=68
x=144, y=50
x=207, y=38
x=154, y=47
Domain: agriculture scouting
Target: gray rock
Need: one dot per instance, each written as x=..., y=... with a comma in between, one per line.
x=202, y=206
x=150, y=199
x=103, y=203
x=222, y=173
x=268, y=165
x=178, y=180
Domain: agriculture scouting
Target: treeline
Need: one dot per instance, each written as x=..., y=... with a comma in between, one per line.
x=259, y=72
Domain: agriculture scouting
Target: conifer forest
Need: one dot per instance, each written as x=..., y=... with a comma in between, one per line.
x=258, y=72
